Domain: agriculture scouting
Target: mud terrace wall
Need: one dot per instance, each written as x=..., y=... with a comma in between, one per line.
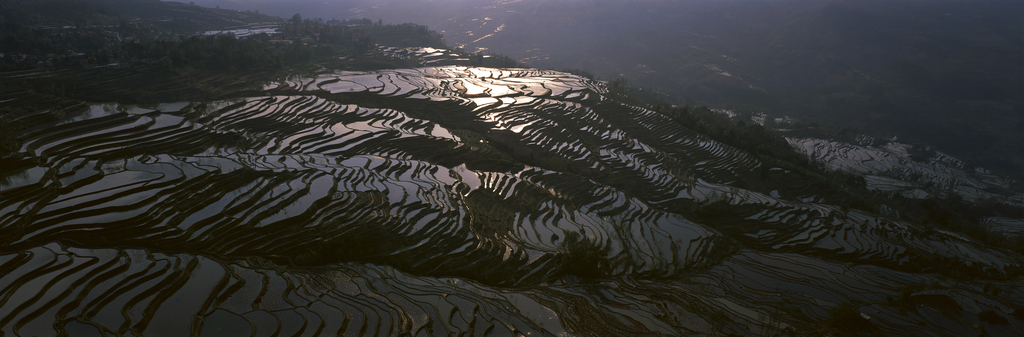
x=446, y=201
x=889, y=167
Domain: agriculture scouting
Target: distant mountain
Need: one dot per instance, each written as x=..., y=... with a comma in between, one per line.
x=168, y=15
x=185, y=16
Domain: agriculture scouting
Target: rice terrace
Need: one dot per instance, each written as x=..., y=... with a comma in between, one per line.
x=360, y=178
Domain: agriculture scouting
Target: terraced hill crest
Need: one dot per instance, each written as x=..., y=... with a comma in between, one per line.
x=447, y=200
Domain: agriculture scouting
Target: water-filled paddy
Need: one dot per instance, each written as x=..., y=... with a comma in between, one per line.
x=449, y=200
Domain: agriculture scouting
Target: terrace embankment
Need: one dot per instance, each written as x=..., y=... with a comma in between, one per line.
x=452, y=199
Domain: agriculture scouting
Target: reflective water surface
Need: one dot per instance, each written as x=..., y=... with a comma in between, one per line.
x=448, y=200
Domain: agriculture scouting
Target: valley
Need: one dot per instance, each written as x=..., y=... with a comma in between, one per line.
x=342, y=185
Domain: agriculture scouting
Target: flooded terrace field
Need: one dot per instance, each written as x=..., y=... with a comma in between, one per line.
x=448, y=200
